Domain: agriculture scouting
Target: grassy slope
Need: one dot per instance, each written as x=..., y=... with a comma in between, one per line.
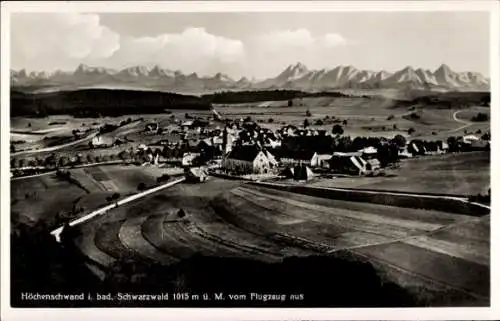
x=254, y=214
x=461, y=251
x=44, y=199
x=463, y=174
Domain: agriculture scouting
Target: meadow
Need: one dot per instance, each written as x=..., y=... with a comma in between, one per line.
x=459, y=174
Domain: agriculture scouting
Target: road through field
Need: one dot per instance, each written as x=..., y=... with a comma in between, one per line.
x=103, y=210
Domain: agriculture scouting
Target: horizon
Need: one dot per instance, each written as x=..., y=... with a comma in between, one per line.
x=251, y=45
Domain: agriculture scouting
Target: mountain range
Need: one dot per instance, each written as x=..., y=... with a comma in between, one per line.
x=296, y=76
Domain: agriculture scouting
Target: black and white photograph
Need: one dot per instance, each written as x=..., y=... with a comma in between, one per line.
x=247, y=158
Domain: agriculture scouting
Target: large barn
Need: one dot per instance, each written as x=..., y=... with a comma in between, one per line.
x=247, y=160
x=102, y=141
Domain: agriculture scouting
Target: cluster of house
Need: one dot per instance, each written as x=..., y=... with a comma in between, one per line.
x=243, y=147
x=251, y=159
x=473, y=142
x=267, y=152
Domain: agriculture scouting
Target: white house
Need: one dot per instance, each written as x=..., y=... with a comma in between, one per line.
x=248, y=160
x=188, y=158
x=186, y=125
x=369, y=152
x=151, y=128
x=469, y=139
x=320, y=160
x=102, y=141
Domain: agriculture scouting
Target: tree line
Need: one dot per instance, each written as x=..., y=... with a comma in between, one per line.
x=232, y=97
x=101, y=102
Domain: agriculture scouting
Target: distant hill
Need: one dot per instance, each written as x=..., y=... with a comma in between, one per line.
x=100, y=102
x=294, y=77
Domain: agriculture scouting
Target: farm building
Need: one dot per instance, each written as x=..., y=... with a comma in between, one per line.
x=369, y=152
x=302, y=173
x=208, y=150
x=469, y=139
x=217, y=140
x=417, y=148
x=475, y=143
x=404, y=153
x=320, y=160
x=369, y=159
x=196, y=174
x=347, y=163
x=151, y=128
x=187, y=125
x=102, y=141
x=272, y=143
x=271, y=158
x=247, y=160
x=288, y=130
x=188, y=158
x=372, y=164
x=435, y=148
x=298, y=173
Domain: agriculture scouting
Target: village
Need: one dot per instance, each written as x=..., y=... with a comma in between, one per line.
x=243, y=148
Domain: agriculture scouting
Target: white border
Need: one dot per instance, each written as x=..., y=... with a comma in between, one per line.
x=246, y=313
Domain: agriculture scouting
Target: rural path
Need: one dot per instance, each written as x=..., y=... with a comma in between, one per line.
x=103, y=210
x=461, y=121
x=32, y=176
x=55, y=148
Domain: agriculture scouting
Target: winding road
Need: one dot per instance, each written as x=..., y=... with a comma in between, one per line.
x=465, y=122
x=55, y=148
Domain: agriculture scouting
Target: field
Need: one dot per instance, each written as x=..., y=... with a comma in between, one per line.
x=366, y=116
x=232, y=219
x=40, y=198
x=461, y=174
x=440, y=256
x=57, y=130
x=131, y=134
x=461, y=251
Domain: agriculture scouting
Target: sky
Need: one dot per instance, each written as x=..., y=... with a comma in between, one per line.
x=255, y=45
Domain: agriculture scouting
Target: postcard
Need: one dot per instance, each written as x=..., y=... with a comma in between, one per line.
x=249, y=160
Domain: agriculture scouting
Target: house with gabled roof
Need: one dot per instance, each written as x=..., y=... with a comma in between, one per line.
x=247, y=159
x=320, y=160
x=347, y=163
x=102, y=141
